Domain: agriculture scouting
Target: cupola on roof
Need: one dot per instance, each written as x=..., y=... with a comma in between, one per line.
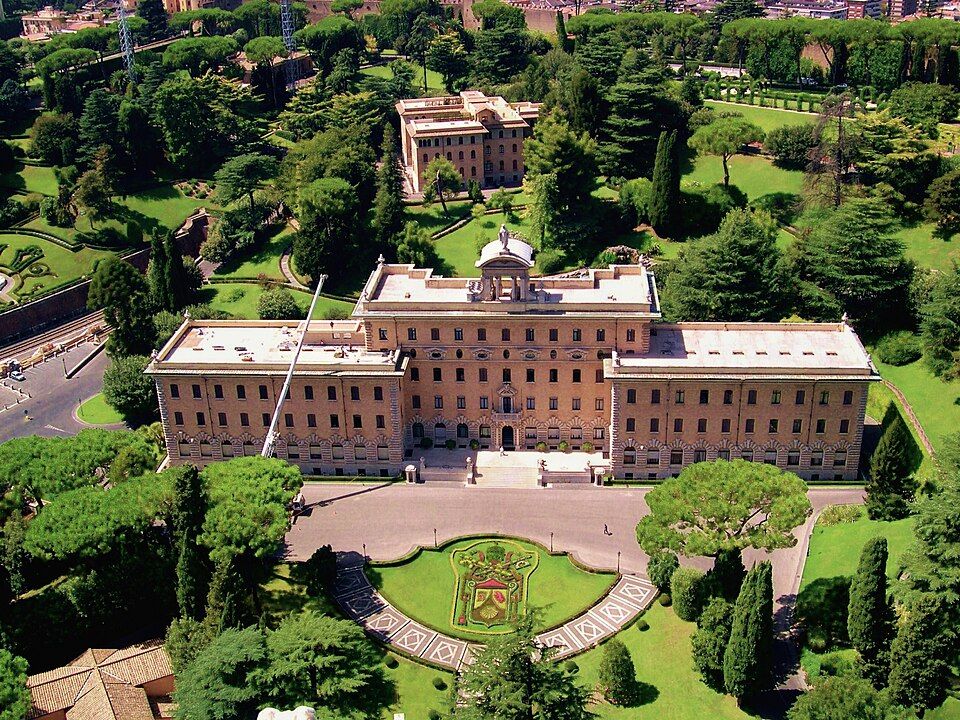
x=506, y=246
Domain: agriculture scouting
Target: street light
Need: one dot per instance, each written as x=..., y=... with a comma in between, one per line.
x=434, y=537
x=364, y=552
x=64, y=361
x=551, y=542
x=618, y=562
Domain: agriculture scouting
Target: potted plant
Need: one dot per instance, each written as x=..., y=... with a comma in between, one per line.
x=426, y=443
x=563, y=446
x=541, y=446
x=587, y=446
x=451, y=444
x=474, y=444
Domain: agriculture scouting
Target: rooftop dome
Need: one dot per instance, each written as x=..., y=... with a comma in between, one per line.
x=506, y=246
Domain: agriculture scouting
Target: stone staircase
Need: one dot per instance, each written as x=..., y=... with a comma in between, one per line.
x=507, y=477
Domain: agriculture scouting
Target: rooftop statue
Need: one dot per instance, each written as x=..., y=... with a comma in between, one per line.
x=504, y=236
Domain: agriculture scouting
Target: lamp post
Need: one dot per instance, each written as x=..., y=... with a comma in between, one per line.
x=364, y=553
x=434, y=537
x=64, y=361
x=551, y=542
x=618, y=562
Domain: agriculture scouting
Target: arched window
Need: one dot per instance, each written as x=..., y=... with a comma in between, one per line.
x=337, y=450
x=463, y=431
x=426, y=157
x=501, y=149
x=418, y=430
x=449, y=156
x=360, y=452
x=514, y=147
x=630, y=456
x=460, y=155
x=473, y=154
x=440, y=432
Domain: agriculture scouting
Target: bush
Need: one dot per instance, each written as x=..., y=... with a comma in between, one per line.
x=391, y=662
x=616, y=674
x=320, y=571
x=426, y=443
x=838, y=663
x=336, y=313
x=563, y=446
x=665, y=600
x=541, y=446
x=474, y=444
x=279, y=304
x=839, y=514
x=451, y=444
x=822, y=610
x=587, y=446
x=550, y=261
x=439, y=683
x=661, y=566
x=433, y=715
x=571, y=667
x=898, y=348
x=686, y=588
x=642, y=625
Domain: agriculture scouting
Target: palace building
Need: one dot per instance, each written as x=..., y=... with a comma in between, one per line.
x=580, y=361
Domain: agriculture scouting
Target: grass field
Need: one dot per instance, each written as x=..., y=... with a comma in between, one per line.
x=671, y=686
x=164, y=205
x=96, y=411
x=936, y=403
x=264, y=259
x=766, y=118
x=424, y=588
x=415, y=694
x=31, y=179
x=926, y=249
x=459, y=248
x=434, y=79
x=65, y=265
x=240, y=300
x=754, y=175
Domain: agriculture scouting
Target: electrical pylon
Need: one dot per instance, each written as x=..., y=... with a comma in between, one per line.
x=126, y=41
x=291, y=67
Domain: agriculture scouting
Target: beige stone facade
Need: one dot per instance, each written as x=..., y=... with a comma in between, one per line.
x=482, y=136
x=580, y=361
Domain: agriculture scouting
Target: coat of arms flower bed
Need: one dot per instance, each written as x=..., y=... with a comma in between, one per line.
x=492, y=579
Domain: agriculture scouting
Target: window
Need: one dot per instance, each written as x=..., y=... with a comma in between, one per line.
x=702, y=425
x=631, y=335
x=655, y=397
x=751, y=397
x=678, y=425
x=337, y=451
x=678, y=398
x=576, y=433
x=201, y=419
x=848, y=397
x=360, y=453
x=434, y=334
x=460, y=374
x=746, y=455
x=506, y=375
x=458, y=334
x=505, y=335
x=437, y=375
x=382, y=333
x=415, y=374
x=244, y=420
x=770, y=457
x=311, y=420
x=553, y=334
x=288, y=420
x=553, y=433
x=334, y=421
x=331, y=392
x=728, y=397
x=676, y=457
x=354, y=393
x=577, y=335
x=175, y=391
x=481, y=334
x=699, y=456
x=463, y=431
x=629, y=456
x=554, y=375
x=241, y=392
x=598, y=375
x=575, y=404
x=461, y=402
x=357, y=421
x=196, y=392
x=599, y=404
x=218, y=392
x=265, y=419
x=411, y=333
x=654, y=425
x=631, y=424
x=576, y=376
x=723, y=455
x=601, y=335
x=383, y=452
x=797, y=426
x=774, y=426
x=482, y=375
x=530, y=334
x=308, y=392
x=793, y=457
x=553, y=403
x=821, y=426
x=704, y=397
x=653, y=457
x=844, y=426
x=438, y=402
x=801, y=397
x=485, y=431
x=484, y=402
x=749, y=425
x=178, y=418
x=825, y=397
x=531, y=375
x=775, y=397
x=417, y=430
x=631, y=396
x=598, y=433
x=725, y=425
x=840, y=458
x=377, y=393
x=816, y=458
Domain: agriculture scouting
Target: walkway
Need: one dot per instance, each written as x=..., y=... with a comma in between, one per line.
x=384, y=622
x=911, y=416
x=287, y=272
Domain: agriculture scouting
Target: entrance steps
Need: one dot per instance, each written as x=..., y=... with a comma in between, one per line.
x=507, y=477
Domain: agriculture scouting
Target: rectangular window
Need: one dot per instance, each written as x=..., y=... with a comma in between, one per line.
x=531, y=375
x=821, y=426
x=774, y=426
x=506, y=375
x=676, y=457
x=334, y=421
x=655, y=397
x=265, y=419
x=382, y=333
x=848, y=397
x=554, y=334
x=553, y=403
x=576, y=433
x=702, y=425
x=377, y=393
x=481, y=334
x=601, y=335
x=485, y=431
x=723, y=455
x=575, y=404
x=201, y=419
x=631, y=424
x=461, y=402
x=699, y=456
x=244, y=420
x=484, y=402
x=438, y=401
x=308, y=392
x=678, y=398
x=599, y=404
x=797, y=426
x=288, y=420
x=331, y=392
x=801, y=397
x=241, y=392
x=311, y=420
x=357, y=421
x=437, y=375
x=725, y=425
x=218, y=392
x=460, y=374
x=770, y=457
x=631, y=397
x=793, y=457
x=411, y=333
x=435, y=334
x=554, y=375
x=174, y=391
x=775, y=397
x=553, y=433
x=844, y=426
x=196, y=392
x=482, y=375
x=840, y=458
x=505, y=335
x=354, y=393
x=631, y=335
x=751, y=397
x=577, y=335
x=816, y=458
x=728, y=397
x=576, y=376
x=598, y=375
x=178, y=418
x=704, y=397
x=654, y=425
x=653, y=457
x=825, y=397
x=530, y=433
x=531, y=403
x=598, y=433
x=415, y=402
x=678, y=425
x=415, y=374
x=530, y=334
x=458, y=334
x=749, y=425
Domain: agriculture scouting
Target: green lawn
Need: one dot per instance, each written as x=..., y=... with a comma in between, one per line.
x=936, y=403
x=433, y=219
x=64, y=265
x=264, y=259
x=754, y=175
x=661, y=656
x=459, y=248
x=240, y=300
x=164, y=205
x=96, y=411
x=766, y=118
x=434, y=79
x=927, y=249
x=31, y=179
x=415, y=694
x=424, y=588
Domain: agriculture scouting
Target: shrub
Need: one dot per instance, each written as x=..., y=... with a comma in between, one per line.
x=320, y=571
x=474, y=444
x=439, y=683
x=571, y=667
x=703, y=207
x=279, y=304
x=661, y=566
x=687, y=590
x=563, y=446
x=822, y=610
x=790, y=145
x=642, y=625
x=426, y=443
x=635, y=201
x=898, y=348
x=391, y=662
x=616, y=674
x=665, y=600
x=236, y=294
x=550, y=261
x=336, y=313
x=433, y=715
x=839, y=514
x=541, y=446
x=838, y=663
x=587, y=446
x=451, y=444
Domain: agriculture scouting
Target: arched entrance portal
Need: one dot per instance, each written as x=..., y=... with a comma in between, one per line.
x=506, y=438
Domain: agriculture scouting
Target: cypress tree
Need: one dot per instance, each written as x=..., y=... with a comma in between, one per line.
x=189, y=511
x=726, y=576
x=388, y=204
x=616, y=674
x=156, y=17
x=890, y=485
x=157, y=273
x=563, y=42
x=919, y=672
x=748, y=658
x=665, y=189
x=869, y=615
x=178, y=289
x=709, y=642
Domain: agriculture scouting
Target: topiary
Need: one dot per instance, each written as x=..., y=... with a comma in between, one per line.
x=563, y=446
x=541, y=446
x=474, y=444
x=665, y=600
x=451, y=444
x=587, y=446
x=571, y=667
x=642, y=625
x=426, y=443
x=391, y=662
x=439, y=683
x=898, y=348
x=686, y=588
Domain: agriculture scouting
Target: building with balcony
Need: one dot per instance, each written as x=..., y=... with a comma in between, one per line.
x=482, y=136
x=509, y=360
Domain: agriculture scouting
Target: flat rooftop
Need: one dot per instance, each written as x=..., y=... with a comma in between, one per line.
x=791, y=349
x=248, y=346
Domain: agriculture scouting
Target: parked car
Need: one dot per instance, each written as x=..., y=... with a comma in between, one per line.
x=18, y=376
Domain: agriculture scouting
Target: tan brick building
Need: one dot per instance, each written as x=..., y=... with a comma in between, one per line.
x=509, y=360
x=482, y=136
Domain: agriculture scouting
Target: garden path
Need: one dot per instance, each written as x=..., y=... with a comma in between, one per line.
x=629, y=597
x=287, y=272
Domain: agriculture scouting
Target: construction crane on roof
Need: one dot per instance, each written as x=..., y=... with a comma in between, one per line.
x=291, y=67
x=126, y=41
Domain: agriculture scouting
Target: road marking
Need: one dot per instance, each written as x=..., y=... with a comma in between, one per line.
x=54, y=427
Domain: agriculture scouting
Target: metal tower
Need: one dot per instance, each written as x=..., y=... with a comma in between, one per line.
x=291, y=67
x=126, y=41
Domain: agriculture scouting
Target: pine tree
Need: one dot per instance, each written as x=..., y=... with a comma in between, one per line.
x=748, y=658
x=869, y=615
x=665, y=189
x=157, y=273
x=156, y=16
x=563, y=42
x=919, y=671
x=891, y=486
x=388, y=204
x=189, y=512
x=617, y=675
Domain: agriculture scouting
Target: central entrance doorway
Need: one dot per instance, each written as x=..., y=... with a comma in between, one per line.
x=506, y=438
